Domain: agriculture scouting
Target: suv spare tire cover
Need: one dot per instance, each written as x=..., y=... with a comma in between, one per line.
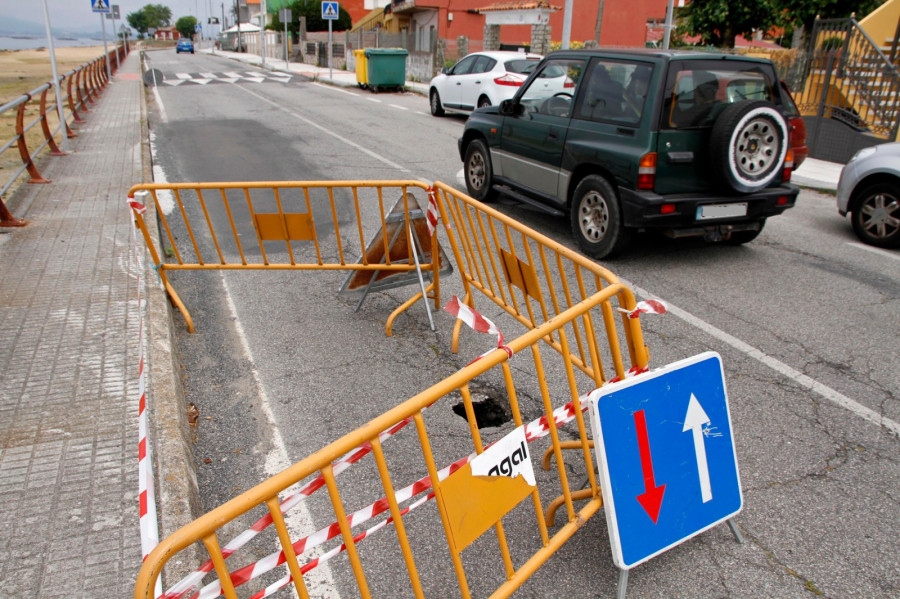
x=748, y=144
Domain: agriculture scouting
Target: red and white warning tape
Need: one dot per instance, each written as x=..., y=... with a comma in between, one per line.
x=477, y=322
x=536, y=429
x=646, y=307
x=147, y=495
x=431, y=214
x=190, y=582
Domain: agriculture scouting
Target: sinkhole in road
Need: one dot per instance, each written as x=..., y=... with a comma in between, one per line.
x=489, y=405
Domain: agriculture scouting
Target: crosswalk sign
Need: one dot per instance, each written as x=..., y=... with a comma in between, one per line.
x=100, y=6
x=330, y=11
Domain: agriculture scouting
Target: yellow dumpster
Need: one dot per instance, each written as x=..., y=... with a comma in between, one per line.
x=361, y=68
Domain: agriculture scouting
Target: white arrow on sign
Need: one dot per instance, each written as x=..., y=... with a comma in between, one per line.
x=694, y=421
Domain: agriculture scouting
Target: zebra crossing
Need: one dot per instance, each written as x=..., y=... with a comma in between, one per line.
x=207, y=78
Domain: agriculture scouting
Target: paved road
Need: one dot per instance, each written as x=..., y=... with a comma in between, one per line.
x=805, y=318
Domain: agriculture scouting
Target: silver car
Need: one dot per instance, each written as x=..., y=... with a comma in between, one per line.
x=869, y=190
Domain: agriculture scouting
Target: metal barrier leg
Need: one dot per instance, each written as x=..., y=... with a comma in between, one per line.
x=415, y=251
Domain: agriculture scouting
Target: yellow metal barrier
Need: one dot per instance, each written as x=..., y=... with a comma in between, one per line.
x=283, y=225
x=563, y=301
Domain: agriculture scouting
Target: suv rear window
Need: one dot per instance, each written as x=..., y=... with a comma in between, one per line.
x=696, y=92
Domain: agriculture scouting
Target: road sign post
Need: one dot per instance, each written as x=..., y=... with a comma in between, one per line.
x=285, y=16
x=665, y=451
x=330, y=12
x=102, y=7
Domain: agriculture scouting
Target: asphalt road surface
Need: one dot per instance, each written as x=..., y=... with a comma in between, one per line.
x=807, y=322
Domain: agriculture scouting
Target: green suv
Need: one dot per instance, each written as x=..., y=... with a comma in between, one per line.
x=688, y=143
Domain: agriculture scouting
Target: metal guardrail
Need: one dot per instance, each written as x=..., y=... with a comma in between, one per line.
x=80, y=87
x=576, y=338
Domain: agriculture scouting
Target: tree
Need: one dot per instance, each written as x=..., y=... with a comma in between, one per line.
x=312, y=10
x=719, y=22
x=152, y=15
x=158, y=15
x=803, y=12
x=186, y=26
x=138, y=20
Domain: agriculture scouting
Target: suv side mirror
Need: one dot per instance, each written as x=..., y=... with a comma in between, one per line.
x=510, y=108
x=445, y=71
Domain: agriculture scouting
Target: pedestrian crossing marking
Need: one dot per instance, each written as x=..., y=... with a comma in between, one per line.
x=176, y=79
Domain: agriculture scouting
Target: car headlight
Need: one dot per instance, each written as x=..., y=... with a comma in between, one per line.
x=863, y=153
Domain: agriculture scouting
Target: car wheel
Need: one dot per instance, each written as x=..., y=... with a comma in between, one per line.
x=436, y=108
x=596, y=218
x=484, y=101
x=478, y=171
x=876, y=215
x=748, y=144
x=742, y=237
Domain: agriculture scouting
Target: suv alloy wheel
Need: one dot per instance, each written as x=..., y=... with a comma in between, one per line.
x=597, y=219
x=479, y=173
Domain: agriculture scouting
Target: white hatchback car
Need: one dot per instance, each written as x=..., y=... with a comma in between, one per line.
x=480, y=79
x=869, y=189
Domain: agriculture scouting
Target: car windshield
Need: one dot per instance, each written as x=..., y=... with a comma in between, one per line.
x=521, y=65
x=697, y=92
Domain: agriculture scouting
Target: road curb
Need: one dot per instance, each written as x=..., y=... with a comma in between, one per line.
x=178, y=495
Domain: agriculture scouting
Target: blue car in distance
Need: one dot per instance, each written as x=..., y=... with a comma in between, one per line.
x=184, y=45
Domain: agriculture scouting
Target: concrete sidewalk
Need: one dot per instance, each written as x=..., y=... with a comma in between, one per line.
x=69, y=324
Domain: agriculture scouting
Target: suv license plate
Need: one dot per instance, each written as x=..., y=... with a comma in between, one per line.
x=721, y=211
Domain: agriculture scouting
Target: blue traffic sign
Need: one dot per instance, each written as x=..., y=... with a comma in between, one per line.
x=100, y=6
x=666, y=456
x=330, y=11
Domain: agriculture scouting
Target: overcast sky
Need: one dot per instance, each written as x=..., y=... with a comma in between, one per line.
x=77, y=14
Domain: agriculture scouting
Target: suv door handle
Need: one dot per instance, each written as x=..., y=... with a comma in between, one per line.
x=553, y=134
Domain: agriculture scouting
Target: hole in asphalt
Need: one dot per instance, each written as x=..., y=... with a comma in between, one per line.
x=489, y=410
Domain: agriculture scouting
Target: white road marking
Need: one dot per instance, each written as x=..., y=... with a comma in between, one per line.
x=778, y=366
x=334, y=88
x=319, y=581
x=875, y=250
x=398, y=106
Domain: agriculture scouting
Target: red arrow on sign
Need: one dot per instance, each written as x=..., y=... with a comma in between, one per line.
x=651, y=498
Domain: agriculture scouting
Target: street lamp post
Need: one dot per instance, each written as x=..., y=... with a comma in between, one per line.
x=56, y=90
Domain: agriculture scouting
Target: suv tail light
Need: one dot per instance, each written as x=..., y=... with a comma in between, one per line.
x=509, y=80
x=788, y=166
x=647, y=171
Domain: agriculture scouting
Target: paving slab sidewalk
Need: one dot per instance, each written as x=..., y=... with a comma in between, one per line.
x=69, y=351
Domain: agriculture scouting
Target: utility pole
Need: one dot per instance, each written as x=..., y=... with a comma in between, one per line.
x=262, y=31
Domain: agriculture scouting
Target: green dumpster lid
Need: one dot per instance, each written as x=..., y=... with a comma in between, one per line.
x=386, y=51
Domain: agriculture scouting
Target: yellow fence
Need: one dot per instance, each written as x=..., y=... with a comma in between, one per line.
x=451, y=524
x=286, y=225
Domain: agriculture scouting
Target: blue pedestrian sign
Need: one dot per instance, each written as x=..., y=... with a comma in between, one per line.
x=330, y=11
x=100, y=6
x=665, y=450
